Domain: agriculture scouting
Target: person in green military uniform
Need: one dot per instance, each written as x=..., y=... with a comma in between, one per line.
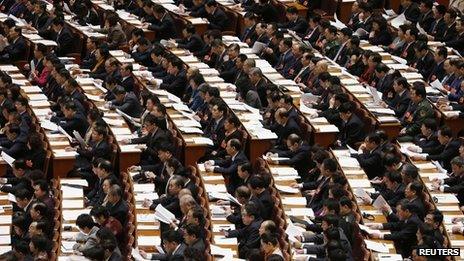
x=332, y=45
x=418, y=111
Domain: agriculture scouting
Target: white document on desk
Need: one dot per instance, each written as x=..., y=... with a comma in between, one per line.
x=376, y=246
x=136, y=255
x=7, y=158
x=79, y=138
x=49, y=125
x=287, y=189
x=293, y=232
x=297, y=201
x=5, y=219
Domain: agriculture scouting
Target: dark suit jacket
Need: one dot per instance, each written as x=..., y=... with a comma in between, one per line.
x=449, y=34
x=424, y=65
x=427, y=142
x=193, y=44
x=228, y=167
x=283, y=132
x=171, y=203
x=298, y=159
x=403, y=233
x=267, y=204
x=456, y=186
x=15, y=51
x=166, y=257
x=17, y=184
x=248, y=237
x=426, y=20
x=445, y=153
x=77, y=123
x=371, y=163
x=352, y=131
x=457, y=43
x=130, y=105
x=152, y=141
x=128, y=83
x=176, y=85
x=164, y=29
x=412, y=13
x=65, y=42
x=437, y=72
x=400, y=103
x=438, y=28
x=119, y=211
x=299, y=26
x=218, y=20
x=228, y=71
x=98, y=150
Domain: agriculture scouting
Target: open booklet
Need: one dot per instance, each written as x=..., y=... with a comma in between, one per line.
x=164, y=215
x=134, y=121
x=7, y=158
x=79, y=138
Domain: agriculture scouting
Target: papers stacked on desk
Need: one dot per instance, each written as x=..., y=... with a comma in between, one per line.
x=294, y=231
x=376, y=246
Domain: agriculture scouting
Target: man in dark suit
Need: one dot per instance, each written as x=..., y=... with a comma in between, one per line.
x=260, y=193
x=258, y=84
x=16, y=49
x=438, y=27
x=228, y=69
x=247, y=236
x=191, y=41
x=424, y=59
x=216, y=17
x=143, y=53
x=261, y=36
x=455, y=183
x=458, y=42
x=170, y=201
x=295, y=23
x=164, y=28
x=249, y=34
x=401, y=100
x=393, y=191
x=448, y=149
x=407, y=52
x=198, y=9
x=24, y=204
x=73, y=120
x=215, y=129
x=284, y=126
x=173, y=246
x=98, y=149
x=117, y=206
x=103, y=170
x=450, y=27
x=438, y=71
x=403, y=231
x=313, y=32
x=228, y=167
x=298, y=155
x=40, y=17
x=320, y=191
x=63, y=38
x=192, y=237
x=341, y=57
x=351, y=131
x=286, y=58
x=90, y=60
x=127, y=81
x=382, y=81
x=428, y=138
x=176, y=80
x=411, y=11
x=126, y=102
x=154, y=138
x=371, y=157
x=20, y=180
x=426, y=14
